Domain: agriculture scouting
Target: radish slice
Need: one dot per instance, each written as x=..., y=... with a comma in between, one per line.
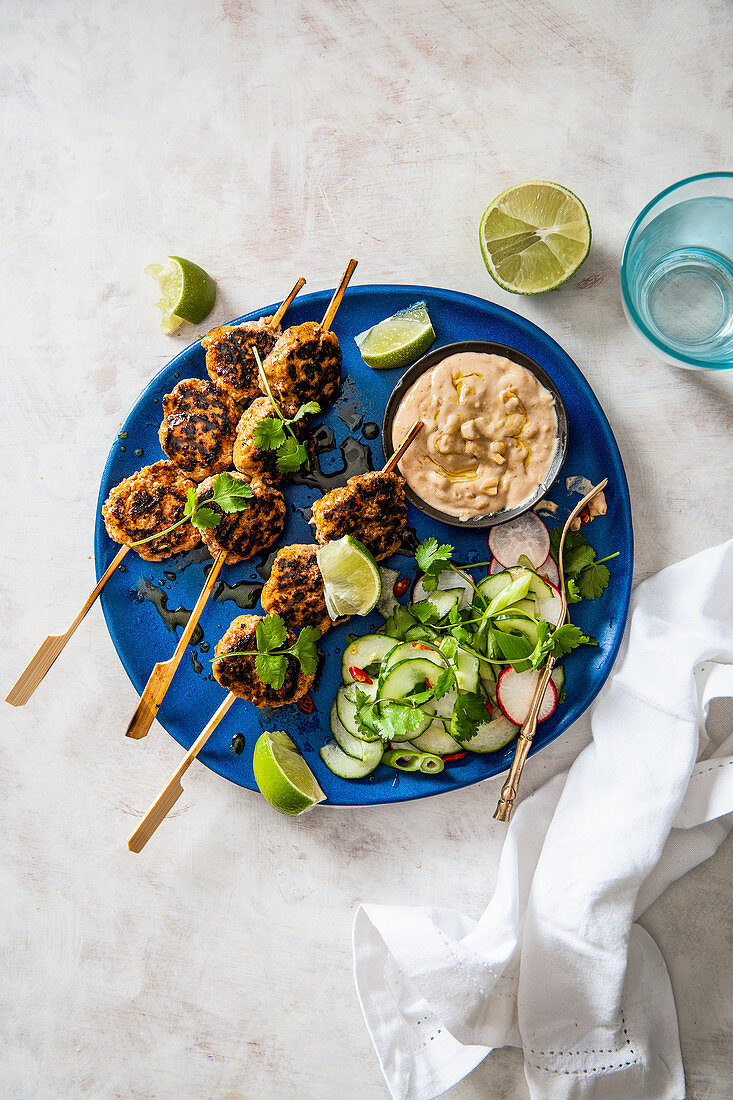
x=551, y=608
x=526, y=534
x=446, y=580
x=550, y=572
x=515, y=692
x=495, y=567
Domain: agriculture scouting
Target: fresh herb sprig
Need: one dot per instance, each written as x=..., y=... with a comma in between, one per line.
x=228, y=492
x=275, y=433
x=271, y=655
x=585, y=578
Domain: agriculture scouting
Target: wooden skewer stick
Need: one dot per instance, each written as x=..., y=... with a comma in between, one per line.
x=409, y=438
x=338, y=294
x=164, y=671
x=173, y=789
x=50, y=649
x=286, y=304
x=505, y=804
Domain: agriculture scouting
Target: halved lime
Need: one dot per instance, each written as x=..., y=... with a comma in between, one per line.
x=283, y=776
x=188, y=292
x=534, y=236
x=350, y=577
x=397, y=340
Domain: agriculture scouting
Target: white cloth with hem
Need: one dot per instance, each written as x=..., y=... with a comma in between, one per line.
x=556, y=964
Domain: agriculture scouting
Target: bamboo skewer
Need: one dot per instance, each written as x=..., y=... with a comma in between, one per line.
x=173, y=789
x=409, y=438
x=338, y=294
x=505, y=804
x=287, y=303
x=164, y=671
x=50, y=649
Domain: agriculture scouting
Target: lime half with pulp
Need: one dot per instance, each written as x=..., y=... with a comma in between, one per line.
x=350, y=577
x=534, y=236
x=397, y=340
x=187, y=292
x=283, y=776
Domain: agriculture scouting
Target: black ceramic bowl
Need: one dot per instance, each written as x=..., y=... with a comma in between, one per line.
x=430, y=360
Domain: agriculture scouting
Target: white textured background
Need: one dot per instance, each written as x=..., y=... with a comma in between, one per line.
x=262, y=138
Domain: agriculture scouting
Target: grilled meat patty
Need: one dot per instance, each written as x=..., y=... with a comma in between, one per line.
x=245, y=533
x=304, y=365
x=151, y=500
x=198, y=428
x=370, y=507
x=295, y=589
x=248, y=457
x=239, y=674
x=229, y=358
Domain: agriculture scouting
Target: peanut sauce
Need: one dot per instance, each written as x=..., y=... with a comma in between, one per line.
x=489, y=439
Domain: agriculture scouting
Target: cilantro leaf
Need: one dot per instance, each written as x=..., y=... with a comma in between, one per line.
x=574, y=561
x=191, y=501
x=593, y=581
x=271, y=632
x=568, y=637
x=572, y=591
x=309, y=409
x=469, y=712
x=306, y=650
x=432, y=558
x=230, y=493
x=444, y=683
x=269, y=434
x=271, y=669
x=204, y=517
x=430, y=582
x=425, y=612
x=449, y=647
x=399, y=622
x=397, y=721
x=291, y=456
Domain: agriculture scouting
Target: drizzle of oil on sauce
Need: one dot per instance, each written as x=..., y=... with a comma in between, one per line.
x=195, y=663
x=410, y=543
x=348, y=408
x=169, y=574
x=204, y=647
x=265, y=567
x=244, y=594
x=146, y=590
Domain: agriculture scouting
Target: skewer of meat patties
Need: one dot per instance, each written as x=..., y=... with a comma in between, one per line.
x=286, y=676
x=235, y=669
x=370, y=507
x=240, y=518
x=201, y=414
x=146, y=512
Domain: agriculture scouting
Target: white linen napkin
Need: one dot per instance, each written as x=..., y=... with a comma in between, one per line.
x=556, y=964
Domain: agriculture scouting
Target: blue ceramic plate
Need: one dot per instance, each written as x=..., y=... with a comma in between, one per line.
x=144, y=602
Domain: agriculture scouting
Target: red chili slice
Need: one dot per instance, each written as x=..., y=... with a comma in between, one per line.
x=306, y=704
x=488, y=706
x=401, y=586
x=360, y=675
x=454, y=756
x=419, y=645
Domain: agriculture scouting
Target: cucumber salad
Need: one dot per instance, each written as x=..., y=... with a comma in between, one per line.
x=455, y=670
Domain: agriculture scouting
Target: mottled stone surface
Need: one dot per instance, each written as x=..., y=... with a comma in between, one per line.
x=258, y=139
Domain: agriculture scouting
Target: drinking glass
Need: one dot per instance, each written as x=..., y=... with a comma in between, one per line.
x=677, y=272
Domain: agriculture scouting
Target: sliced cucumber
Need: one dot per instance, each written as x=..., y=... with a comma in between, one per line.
x=443, y=601
x=493, y=735
x=492, y=585
x=436, y=740
x=444, y=706
x=487, y=676
x=369, y=650
x=519, y=626
x=348, y=767
x=408, y=651
x=448, y=581
x=346, y=706
x=466, y=670
x=352, y=746
x=558, y=678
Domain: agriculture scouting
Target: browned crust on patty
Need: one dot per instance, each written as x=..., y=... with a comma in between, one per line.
x=294, y=589
x=243, y=534
x=199, y=426
x=229, y=356
x=151, y=500
x=370, y=507
x=304, y=365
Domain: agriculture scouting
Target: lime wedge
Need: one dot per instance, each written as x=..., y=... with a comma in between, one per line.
x=283, y=776
x=350, y=577
x=397, y=340
x=188, y=292
x=534, y=236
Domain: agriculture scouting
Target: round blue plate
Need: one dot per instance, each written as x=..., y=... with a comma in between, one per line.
x=144, y=602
